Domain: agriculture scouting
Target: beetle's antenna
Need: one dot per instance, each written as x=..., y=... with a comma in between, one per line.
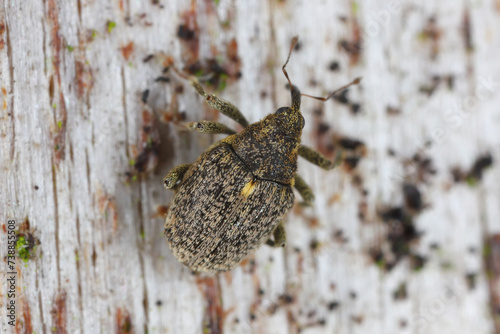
x=292, y=46
x=354, y=82
x=179, y=73
x=294, y=42
x=186, y=76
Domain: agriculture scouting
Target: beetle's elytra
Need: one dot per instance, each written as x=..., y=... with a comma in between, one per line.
x=234, y=197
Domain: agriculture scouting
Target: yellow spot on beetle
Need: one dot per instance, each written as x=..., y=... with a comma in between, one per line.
x=248, y=188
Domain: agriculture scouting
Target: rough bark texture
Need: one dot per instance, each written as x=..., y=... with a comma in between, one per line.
x=402, y=238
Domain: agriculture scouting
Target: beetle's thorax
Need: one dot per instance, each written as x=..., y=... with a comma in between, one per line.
x=269, y=147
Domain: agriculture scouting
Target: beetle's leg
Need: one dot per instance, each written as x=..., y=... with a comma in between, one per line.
x=319, y=159
x=279, y=235
x=225, y=107
x=210, y=127
x=304, y=190
x=176, y=174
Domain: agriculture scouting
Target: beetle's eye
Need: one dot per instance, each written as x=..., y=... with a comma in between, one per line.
x=280, y=110
x=303, y=122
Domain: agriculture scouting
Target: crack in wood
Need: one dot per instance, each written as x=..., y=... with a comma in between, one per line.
x=11, y=79
x=56, y=218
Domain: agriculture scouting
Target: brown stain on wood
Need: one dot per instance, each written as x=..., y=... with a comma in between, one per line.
x=28, y=326
x=2, y=30
x=492, y=261
x=59, y=314
x=189, y=33
x=213, y=317
x=84, y=78
x=107, y=208
x=466, y=30
x=4, y=100
x=160, y=212
x=123, y=322
x=233, y=65
x=222, y=68
x=127, y=50
x=62, y=116
x=432, y=33
x=353, y=46
x=146, y=156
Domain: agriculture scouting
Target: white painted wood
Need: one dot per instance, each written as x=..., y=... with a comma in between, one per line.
x=102, y=261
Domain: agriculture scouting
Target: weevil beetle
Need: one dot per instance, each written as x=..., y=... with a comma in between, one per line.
x=234, y=197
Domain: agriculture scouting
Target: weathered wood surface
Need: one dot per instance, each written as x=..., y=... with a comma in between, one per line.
x=72, y=120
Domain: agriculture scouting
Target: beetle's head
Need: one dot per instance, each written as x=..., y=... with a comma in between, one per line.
x=290, y=121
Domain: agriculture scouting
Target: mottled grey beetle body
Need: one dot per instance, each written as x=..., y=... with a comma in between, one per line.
x=221, y=212
x=234, y=197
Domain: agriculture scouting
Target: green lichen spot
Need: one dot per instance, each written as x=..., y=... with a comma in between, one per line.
x=222, y=82
x=380, y=264
x=471, y=181
x=198, y=73
x=70, y=48
x=22, y=249
x=111, y=26
x=422, y=36
x=486, y=250
x=354, y=8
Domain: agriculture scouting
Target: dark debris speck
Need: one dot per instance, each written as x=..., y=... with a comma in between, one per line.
x=334, y=66
x=352, y=162
x=286, y=298
x=418, y=262
x=471, y=280
x=323, y=128
x=145, y=95
x=147, y=58
x=412, y=196
x=400, y=293
x=350, y=144
x=333, y=305
x=183, y=32
x=355, y=108
x=162, y=79
x=342, y=97
x=481, y=163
